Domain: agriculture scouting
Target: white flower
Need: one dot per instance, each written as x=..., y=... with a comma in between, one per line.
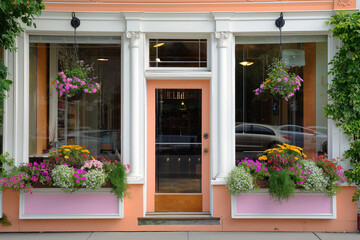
x=239, y=181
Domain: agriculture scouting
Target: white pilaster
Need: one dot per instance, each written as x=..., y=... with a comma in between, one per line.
x=135, y=105
x=222, y=79
x=16, y=105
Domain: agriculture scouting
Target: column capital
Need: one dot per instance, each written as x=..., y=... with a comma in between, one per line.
x=134, y=37
x=222, y=39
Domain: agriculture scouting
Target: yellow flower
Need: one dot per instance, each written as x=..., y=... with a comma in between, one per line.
x=85, y=150
x=67, y=150
x=296, y=158
x=92, y=158
x=66, y=157
x=267, y=81
x=263, y=157
x=304, y=155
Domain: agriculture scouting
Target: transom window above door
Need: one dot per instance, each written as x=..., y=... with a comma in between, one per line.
x=178, y=53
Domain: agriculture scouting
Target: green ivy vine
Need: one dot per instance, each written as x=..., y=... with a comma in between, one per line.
x=12, y=13
x=344, y=91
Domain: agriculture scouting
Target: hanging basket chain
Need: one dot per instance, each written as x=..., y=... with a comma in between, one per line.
x=280, y=22
x=75, y=23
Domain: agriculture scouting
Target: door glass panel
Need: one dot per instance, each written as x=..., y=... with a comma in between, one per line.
x=178, y=140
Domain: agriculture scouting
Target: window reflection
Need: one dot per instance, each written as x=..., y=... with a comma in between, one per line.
x=92, y=120
x=263, y=121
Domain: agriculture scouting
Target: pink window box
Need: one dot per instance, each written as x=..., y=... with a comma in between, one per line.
x=303, y=205
x=53, y=203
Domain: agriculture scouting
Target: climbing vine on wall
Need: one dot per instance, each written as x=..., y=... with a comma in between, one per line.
x=12, y=14
x=344, y=91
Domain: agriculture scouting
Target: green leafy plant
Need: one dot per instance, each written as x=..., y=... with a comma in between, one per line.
x=117, y=174
x=239, y=181
x=12, y=13
x=5, y=221
x=281, y=186
x=344, y=90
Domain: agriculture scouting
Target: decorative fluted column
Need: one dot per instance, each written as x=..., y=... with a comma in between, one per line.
x=135, y=90
x=224, y=154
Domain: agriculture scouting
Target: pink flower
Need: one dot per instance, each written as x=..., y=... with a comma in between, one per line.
x=94, y=90
x=86, y=90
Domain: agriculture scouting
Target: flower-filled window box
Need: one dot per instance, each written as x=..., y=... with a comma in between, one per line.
x=53, y=203
x=68, y=184
x=297, y=187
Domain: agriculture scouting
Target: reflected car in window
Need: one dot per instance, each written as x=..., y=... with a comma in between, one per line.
x=253, y=139
x=299, y=136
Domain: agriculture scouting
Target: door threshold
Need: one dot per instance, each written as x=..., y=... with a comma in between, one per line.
x=177, y=214
x=178, y=218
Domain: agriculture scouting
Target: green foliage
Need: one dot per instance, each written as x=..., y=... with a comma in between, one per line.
x=5, y=160
x=12, y=13
x=117, y=175
x=281, y=186
x=239, y=181
x=344, y=92
x=5, y=221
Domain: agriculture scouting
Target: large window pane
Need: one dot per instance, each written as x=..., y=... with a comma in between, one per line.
x=263, y=121
x=92, y=120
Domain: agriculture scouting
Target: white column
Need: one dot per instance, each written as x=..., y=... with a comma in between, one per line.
x=135, y=96
x=222, y=78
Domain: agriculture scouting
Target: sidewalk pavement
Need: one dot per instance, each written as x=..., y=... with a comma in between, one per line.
x=181, y=236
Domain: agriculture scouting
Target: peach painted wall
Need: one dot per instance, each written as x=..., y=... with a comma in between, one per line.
x=346, y=218
x=197, y=5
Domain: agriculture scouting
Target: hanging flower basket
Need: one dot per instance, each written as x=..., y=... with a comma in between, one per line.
x=75, y=78
x=280, y=82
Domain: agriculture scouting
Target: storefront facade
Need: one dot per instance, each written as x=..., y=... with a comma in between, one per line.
x=173, y=100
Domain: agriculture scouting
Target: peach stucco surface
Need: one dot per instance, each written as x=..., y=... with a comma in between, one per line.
x=197, y=5
x=346, y=218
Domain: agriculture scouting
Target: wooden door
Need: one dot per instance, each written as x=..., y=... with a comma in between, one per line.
x=178, y=144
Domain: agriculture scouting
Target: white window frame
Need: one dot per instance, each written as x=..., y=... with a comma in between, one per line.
x=177, y=37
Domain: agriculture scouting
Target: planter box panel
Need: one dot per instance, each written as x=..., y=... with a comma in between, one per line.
x=1, y=211
x=303, y=205
x=55, y=204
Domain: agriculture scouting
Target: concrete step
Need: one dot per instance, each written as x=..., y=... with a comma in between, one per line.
x=179, y=218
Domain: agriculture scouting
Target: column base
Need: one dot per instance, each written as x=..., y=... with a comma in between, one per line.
x=134, y=178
